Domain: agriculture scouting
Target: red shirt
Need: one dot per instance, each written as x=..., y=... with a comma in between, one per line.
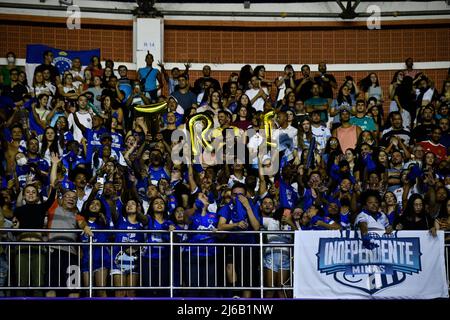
x=438, y=149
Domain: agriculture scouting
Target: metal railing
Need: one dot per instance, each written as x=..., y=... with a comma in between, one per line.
x=170, y=268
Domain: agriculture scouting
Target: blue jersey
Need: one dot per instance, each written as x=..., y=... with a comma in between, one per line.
x=156, y=252
x=345, y=221
x=117, y=142
x=156, y=174
x=178, y=119
x=234, y=213
x=42, y=164
x=392, y=215
x=67, y=184
x=315, y=219
x=101, y=256
x=68, y=136
x=71, y=160
x=108, y=214
x=204, y=223
x=308, y=199
x=21, y=173
x=93, y=141
x=124, y=224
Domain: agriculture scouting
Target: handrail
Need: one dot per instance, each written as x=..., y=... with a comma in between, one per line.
x=144, y=231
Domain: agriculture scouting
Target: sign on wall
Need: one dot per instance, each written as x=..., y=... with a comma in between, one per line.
x=335, y=265
x=149, y=38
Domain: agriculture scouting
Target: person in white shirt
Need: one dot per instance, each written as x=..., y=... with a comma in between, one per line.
x=257, y=95
x=84, y=116
x=371, y=219
x=319, y=131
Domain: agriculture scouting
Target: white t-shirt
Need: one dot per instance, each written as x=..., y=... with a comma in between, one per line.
x=259, y=103
x=379, y=224
x=322, y=134
x=80, y=202
x=85, y=119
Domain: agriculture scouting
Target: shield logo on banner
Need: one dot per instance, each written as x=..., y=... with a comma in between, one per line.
x=370, y=283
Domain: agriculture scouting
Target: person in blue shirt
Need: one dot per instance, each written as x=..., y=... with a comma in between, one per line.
x=319, y=221
x=126, y=258
x=30, y=167
x=38, y=165
x=93, y=136
x=114, y=140
x=155, y=261
x=390, y=207
x=22, y=169
x=72, y=158
x=95, y=214
x=62, y=127
x=239, y=215
x=202, y=259
x=157, y=170
x=339, y=212
x=148, y=77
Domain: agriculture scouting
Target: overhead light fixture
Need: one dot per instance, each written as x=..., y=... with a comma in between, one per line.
x=246, y=4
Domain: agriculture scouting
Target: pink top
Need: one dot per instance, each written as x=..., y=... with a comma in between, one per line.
x=347, y=137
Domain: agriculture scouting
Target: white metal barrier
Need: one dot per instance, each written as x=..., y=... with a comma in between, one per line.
x=173, y=268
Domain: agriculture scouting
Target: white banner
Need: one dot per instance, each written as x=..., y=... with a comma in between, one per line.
x=335, y=265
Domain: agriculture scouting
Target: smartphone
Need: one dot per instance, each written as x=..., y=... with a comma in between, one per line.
x=101, y=180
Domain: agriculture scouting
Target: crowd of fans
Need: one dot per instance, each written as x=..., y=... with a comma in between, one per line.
x=76, y=154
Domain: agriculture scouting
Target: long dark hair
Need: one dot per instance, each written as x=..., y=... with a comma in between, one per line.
x=99, y=62
x=244, y=76
x=257, y=69
x=101, y=218
x=379, y=116
x=394, y=78
x=53, y=147
x=150, y=212
x=409, y=208
x=366, y=83
x=341, y=98
x=249, y=113
x=301, y=132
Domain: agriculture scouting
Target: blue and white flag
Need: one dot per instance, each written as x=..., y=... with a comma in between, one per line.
x=62, y=59
x=288, y=195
